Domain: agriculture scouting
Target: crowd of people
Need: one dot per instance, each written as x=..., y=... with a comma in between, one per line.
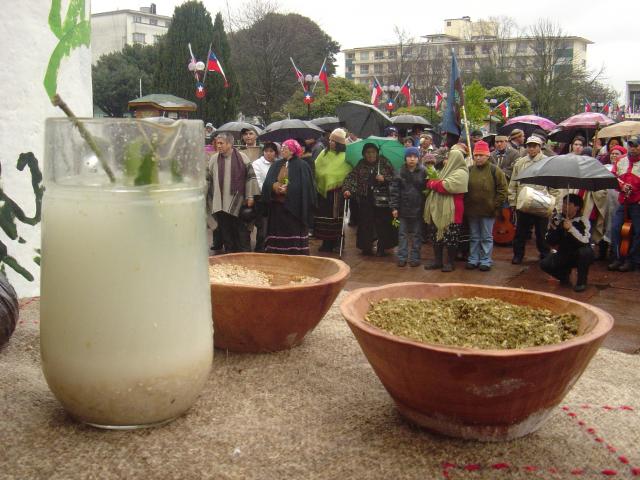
x=448, y=195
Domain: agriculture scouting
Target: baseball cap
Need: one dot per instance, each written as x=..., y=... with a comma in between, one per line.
x=634, y=139
x=534, y=139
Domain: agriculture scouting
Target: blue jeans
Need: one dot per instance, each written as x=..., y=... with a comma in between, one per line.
x=618, y=220
x=409, y=231
x=481, y=243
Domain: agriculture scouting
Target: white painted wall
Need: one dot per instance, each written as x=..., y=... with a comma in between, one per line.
x=27, y=44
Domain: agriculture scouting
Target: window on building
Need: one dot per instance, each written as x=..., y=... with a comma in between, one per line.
x=351, y=56
x=521, y=47
x=364, y=69
x=391, y=53
x=469, y=49
x=137, y=19
x=377, y=69
x=351, y=68
x=448, y=24
x=138, y=38
x=364, y=55
x=486, y=49
x=153, y=21
x=378, y=55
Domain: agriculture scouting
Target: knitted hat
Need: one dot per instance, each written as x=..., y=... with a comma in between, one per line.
x=411, y=151
x=339, y=136
x=481, y=148
x=618, y=148
x=501, y=138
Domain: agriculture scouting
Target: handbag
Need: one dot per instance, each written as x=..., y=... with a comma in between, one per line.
x=381, y=196
x=535, y=202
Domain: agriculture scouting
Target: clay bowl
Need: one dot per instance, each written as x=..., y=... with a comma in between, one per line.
x=487, y=395
x=250, y=318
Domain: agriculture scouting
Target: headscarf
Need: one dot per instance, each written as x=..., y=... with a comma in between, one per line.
x=618, y=148
x=331, y=170
x=440, y=208
x=293, y=146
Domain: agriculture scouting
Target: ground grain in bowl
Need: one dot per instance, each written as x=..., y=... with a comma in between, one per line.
x=484, y=323
x=230, y=273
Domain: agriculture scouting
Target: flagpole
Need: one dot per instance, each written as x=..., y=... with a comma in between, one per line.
x=403, y=84
x=207, y=69
x=300, y=79
x=314, y=85
x=466, y=127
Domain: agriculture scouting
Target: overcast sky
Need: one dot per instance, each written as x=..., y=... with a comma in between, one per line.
x=356, y=23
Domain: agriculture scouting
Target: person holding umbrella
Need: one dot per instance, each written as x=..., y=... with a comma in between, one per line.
x=569, y=235
x=289, y=193
x=369, y=183
x=330, y=172
x=524, y=221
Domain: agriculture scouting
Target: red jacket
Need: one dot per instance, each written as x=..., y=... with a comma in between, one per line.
x=627, y=169
x=458, y=199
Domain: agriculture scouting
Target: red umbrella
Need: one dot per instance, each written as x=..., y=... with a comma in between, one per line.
x=586, y=120
x=541, y=122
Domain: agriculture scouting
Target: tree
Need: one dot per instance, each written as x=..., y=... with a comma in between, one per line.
x=518, y=103
x=117, y=77
x=497, y=67
x=474, y=104
x=191, y=23
x=340, y=90
x=261, y=58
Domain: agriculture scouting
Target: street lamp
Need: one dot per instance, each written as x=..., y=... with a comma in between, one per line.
x=392, y=92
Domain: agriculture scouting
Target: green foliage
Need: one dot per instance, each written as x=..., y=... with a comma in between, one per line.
x=191, y=23
x=261, y=55
x=477, y=109
x=518, y=103
x=340, y=90
x=116, y=77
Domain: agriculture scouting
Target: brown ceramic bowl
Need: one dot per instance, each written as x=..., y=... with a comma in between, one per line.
x=250, y=318
x=469, y=393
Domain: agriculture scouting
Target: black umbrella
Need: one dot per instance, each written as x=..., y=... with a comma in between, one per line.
x=236, y=127
x=567, y=134
x=290, y=128
x=328, y=124
x=409, y=121
x=569, y=171
x=362, y=119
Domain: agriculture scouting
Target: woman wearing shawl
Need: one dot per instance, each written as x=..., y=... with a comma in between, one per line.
x=444, y=209
x=373, y=172
x=289, y=193
x=331, y=170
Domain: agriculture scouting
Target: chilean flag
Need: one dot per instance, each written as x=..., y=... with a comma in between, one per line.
x=324, y=77
x=376, y=93
x=213, y=65
x=587, y=106
x=439, y=97
x=607, y=108
x=406, y=91
x=504, y=109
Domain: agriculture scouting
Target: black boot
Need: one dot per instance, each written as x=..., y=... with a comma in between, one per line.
x=449, y=266
x=436, y=263
x=603, y=249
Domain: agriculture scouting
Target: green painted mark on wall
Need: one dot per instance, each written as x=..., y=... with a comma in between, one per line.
x=73, y=33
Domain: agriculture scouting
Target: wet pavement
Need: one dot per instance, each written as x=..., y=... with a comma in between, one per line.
x=616, y=292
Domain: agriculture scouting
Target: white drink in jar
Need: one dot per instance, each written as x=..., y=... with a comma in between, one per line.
x=126, y=330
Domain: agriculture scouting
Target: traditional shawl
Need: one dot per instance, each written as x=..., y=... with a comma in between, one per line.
x=238, y=173
x=331, y=170
x=439, y=208
x=301, y=196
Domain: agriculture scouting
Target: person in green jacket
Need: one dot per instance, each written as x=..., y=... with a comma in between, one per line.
x=487, y=191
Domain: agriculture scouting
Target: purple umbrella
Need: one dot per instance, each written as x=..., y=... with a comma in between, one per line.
x=543, y=123
x=586, y=120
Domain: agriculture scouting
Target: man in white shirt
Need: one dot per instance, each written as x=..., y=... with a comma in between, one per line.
x=270, y=152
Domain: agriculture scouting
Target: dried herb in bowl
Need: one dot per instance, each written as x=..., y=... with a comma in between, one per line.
x=483, y=323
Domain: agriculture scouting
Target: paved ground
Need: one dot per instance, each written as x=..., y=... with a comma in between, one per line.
x=618, y=293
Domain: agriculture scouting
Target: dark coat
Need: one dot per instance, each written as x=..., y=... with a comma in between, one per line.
x=406, y=192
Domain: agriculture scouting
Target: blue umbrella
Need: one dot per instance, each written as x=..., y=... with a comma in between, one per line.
x=389, y=148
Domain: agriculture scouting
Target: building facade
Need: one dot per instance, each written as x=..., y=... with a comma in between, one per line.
x=111, y=31
x=476, y=44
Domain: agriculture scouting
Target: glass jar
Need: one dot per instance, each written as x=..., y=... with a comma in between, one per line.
x=126, y=331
